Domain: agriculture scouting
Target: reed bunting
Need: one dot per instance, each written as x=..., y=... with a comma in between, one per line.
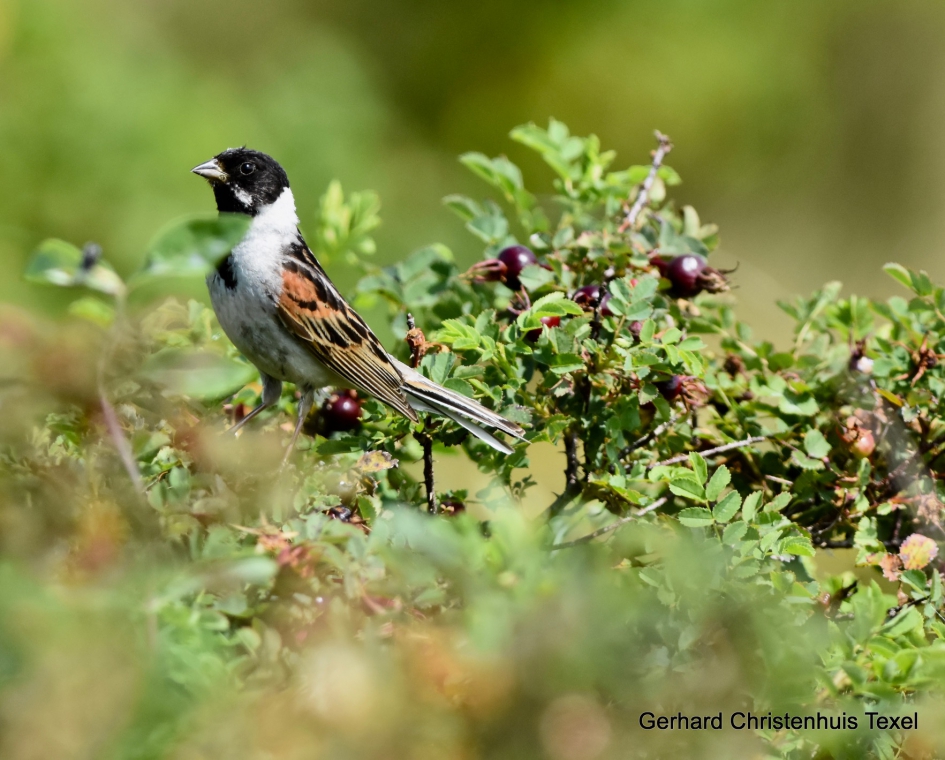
x=277, y=305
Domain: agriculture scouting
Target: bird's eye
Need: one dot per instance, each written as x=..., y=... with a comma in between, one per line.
x=247, y=168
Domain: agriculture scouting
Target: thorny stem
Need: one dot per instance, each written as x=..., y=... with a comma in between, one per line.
x=710, y=452
x=630, y=220
x=571, y=477
x=644, y=440
x=426, y=442
x=613, y=526
x=665, y=146
x=850, y=544
x=572, y=484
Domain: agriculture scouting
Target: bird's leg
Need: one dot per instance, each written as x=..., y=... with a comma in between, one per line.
x=272, y=390
x=305, y=406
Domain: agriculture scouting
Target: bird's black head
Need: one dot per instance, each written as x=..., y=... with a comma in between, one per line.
x=244, y=181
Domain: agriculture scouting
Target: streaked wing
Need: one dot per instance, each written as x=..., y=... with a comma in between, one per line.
x=312, y=309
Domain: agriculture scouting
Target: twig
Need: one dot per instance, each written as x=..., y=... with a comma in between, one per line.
x=849, y=544
x=776, y=479
x=91, y=254
x=571, y=478
x=417, y=342
x=710, y=452
x=427, y=443
x=572, y=482
x=644, y=440
x=613, y=526
x=121, y=443
x=562, y=500
x=665, y=146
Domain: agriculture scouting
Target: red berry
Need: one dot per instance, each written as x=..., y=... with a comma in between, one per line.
x=549, y=322
x=670, y=389
x=683, y=272
x=635, y=328
x=587, y=296
x=341, y=413
x=516, y=258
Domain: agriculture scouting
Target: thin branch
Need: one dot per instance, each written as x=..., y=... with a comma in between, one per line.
x=644, y=440
x=572, y=482
x=417, y=342
x=782, y=481
x=427, y=443
x=91, y=254
x=612, y=527
x=562, y=500
x=665, y=146
x=849, y=544
x=571, y=477
x=121, y=443
x=710, y=452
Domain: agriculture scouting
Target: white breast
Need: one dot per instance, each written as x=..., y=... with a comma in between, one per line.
x=247, y=313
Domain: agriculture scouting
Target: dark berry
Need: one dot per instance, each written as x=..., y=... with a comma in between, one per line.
x=587, y=296
x=516, y=258
x=549, y=322
x=635, y=328
x=661, y=264
x=684, y=273
x=670, y=389
x=341, y=413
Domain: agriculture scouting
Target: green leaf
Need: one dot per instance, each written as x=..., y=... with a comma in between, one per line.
x=696, y=517
x=194, y=245
x=57, y=262
x=533, y=277
x=197, y=374
x=561, y=364
x=726, y=509
x=466, y=208
x=699, y=467
x=342, y=444
x=899, y=273
x=801, y=404
x=479, y=164
x=750, y=507
x=797, y=545
x=778, y=503
x=344, y=225
x=720, y=479
x=93, y=309
x=688, y=487
x=734, y=532
x=908, y=619
x=437, y=366
x=815, y=444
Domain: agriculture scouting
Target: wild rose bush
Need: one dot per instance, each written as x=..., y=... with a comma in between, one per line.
x=740, y=526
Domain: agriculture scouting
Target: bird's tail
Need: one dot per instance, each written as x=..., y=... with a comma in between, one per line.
x=426, y=396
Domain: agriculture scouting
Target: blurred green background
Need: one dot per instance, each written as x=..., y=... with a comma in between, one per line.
x=810, y=131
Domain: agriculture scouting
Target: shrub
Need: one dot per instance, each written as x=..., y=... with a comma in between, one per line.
x=222, y=607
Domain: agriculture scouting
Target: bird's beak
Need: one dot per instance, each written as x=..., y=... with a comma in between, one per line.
x=211, y=170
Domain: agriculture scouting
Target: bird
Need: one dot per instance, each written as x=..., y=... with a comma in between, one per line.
x=277, y=305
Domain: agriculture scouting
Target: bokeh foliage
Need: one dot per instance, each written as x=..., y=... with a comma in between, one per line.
x=168, y=591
